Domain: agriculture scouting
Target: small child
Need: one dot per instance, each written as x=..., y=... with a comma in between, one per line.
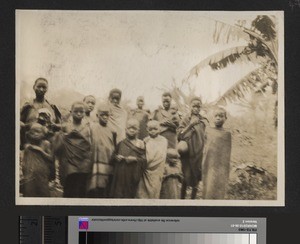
x=172, y=176
x=38, y=163
x=103, y=147
x=216, y=163
x=129, y=162
x=156, y=153
x=73, y=149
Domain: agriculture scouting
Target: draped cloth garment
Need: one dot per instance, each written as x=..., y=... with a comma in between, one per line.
x=216, y=164
x=156, y=153
x=127, y=175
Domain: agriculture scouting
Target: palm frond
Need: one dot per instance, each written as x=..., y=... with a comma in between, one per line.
x=223, y=33
x=252, y=82
x=266, y=27
x=221, y=59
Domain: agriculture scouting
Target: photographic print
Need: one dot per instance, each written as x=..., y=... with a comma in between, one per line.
x=146, y=108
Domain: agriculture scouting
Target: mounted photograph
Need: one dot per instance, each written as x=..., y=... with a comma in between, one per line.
x=149, y=108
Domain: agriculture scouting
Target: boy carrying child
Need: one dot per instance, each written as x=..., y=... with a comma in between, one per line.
x=38, y=162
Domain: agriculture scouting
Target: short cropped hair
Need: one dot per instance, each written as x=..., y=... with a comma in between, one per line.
x=167, y=94
x=196, y=99
x=88, y=96
x=222, y=110
x=77, y=103
x=115, y=90
x=40, y=78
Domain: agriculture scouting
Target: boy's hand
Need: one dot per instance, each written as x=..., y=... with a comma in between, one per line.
x=131, y=159
x=119, y=157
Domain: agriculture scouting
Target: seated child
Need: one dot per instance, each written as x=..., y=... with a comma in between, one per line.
x=216, y=163
x=156, y=153
x=129, y=162
x=38, y=163
x=172, y=176
x=73, y=150
x=103, y=147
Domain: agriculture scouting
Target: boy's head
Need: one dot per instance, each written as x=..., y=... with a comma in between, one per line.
x=78, y=111
x=166, y=100
x=40, y=87
x=89, y=102
x=103, y=113
x=140, y=102
x=220, y=117
x=36, y=132
x=115, y=96
x=195, y=105
x=153, y=128
x=132, y=128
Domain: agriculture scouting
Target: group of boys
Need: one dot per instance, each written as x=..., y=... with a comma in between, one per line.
x=133, y=155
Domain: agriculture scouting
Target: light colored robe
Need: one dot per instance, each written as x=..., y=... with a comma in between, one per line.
x=156, y=153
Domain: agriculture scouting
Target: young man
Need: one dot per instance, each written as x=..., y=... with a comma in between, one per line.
x=103, y=147
x=73, y=150
x=130, y=162
x=38, y=163
x=142, y=116
x=156, y=153
x=191, y=136
x=39, y=110
x=165, y=115
x=216, y=165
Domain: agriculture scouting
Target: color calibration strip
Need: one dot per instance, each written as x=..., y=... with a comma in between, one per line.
x=165, y=238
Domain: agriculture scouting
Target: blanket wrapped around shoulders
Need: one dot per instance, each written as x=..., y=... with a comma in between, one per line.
x=192, y=159
x=74, y=153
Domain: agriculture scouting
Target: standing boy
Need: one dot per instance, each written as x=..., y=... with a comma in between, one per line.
x=90, y=102
x=142, y=116
x=103, y=147
x=165, y=115
x=156, y=153
x=191, y=135
x=129, y=162
x=73, y=149
x=118, y=115
x=216, y=164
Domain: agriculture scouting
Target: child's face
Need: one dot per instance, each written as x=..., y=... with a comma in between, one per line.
x=37, y=133
x=153, y=130
x=195, y=107
x=103, y=117
x=220, y=118
x=78, y=112
x=89, y=103
x=166, y=100
x=40, y=88
x=132, y=130
x=140, y=104
x=115, y=98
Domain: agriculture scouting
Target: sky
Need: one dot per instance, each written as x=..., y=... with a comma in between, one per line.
x=139, y=52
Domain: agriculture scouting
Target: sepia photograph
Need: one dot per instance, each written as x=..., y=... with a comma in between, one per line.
x=166, y=108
